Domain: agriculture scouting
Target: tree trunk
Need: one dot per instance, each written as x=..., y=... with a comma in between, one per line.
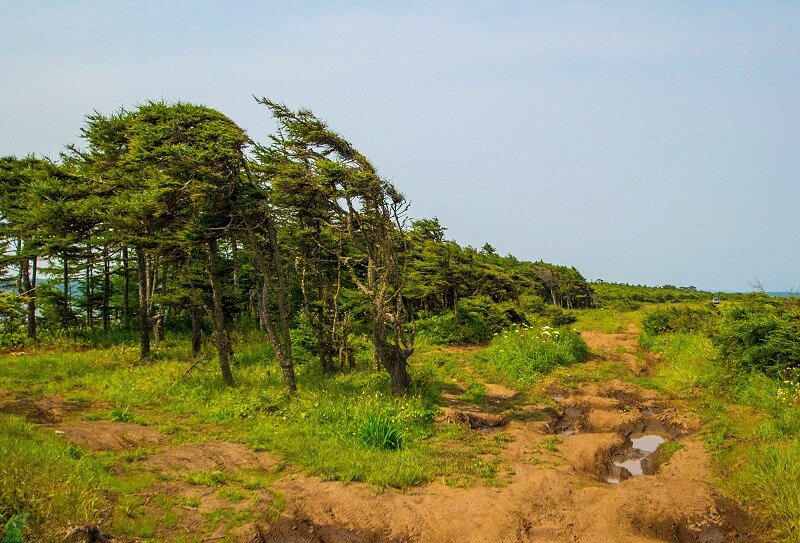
x=392, y=357
x=106, y=289
x=126, y=307
x=197, y=330
x=28, y=290
x=66, y=290
x=280, y=339
x=144, y=317
x=221, y=339
x=394, y=360
x=88, y=290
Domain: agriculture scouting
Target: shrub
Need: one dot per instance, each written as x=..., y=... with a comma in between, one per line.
x=559, y=317
x=679, y=319
x=477, y=319
x=761, y=335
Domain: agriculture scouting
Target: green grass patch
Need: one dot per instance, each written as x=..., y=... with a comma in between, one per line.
x=609, y=321
x=51, y=483
x=753, y=427
x=521, y=356
x=322, y=428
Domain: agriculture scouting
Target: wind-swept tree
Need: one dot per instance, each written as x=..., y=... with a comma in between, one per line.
x=368, y=214
x=193, y=157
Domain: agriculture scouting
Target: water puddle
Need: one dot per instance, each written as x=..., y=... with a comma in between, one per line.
x=633, y=461
x=567, y=423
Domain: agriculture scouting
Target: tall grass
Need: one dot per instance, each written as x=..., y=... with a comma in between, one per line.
x=521, y=355
x=50, y=483
x=754, y=426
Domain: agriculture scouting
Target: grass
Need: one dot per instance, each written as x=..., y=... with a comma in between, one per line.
x=753, y=427
x=666, y=450
x=521, y=356
x=47, y=480
x=381, y=432
x=609, y=321
x=345, y=427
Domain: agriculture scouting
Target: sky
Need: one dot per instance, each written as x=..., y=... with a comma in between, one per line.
x=641, y=142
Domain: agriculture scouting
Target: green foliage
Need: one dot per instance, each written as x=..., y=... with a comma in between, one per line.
x=524, y=354
x=685, y=319
x=753, y=426
x=559, y=317
x=12, y=320
x=381, y=432
x=762, y=334
x=12, y=533
x=476, y=320
x=624, y=297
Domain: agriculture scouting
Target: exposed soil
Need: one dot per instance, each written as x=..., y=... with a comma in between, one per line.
x=45, y=409
x=559, y=461
x=100, y=435
x=209, y=456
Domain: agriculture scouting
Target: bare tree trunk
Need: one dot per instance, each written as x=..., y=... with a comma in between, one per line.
x=106, y=289
x=28, y=290
x=66, y=289
x=32, y=303
x=88, y=290
x=278, y=334
x=144, y=315
x=197, y=330
x=221, y=339
x=158, y=313
x=126, y=307
x=235, y=259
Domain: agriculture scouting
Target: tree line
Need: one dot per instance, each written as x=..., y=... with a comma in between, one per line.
x=169, y=215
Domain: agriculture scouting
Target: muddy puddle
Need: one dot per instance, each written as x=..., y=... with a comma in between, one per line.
x=568, y=422
x=636, y=459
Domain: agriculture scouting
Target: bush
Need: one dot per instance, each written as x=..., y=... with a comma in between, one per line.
x=761, y=335
x=680, y=319
x=559, y=317
x=524, y=353
x=476, y=320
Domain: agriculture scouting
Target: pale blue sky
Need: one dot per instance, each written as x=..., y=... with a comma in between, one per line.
x=645, y=142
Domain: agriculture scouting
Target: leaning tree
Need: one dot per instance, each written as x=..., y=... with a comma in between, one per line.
x=367, y=213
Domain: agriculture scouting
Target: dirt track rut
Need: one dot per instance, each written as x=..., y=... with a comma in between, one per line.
x=559, y=490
